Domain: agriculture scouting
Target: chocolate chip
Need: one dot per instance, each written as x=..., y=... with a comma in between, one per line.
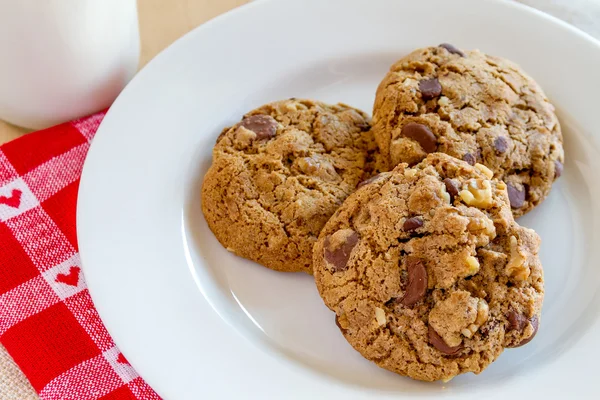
x=430, y=88
x=437, y=342
x=469, y=158
x=338, y=258
x=558, y=169
x=367, y=181
x=516, y=321
x=451, y=188
x=452, y=49
x=264, y=126
x=515, y=195
x=417, y=281
x=412, y=223
x=536, y=324
x=501, y=144
x=421, y=134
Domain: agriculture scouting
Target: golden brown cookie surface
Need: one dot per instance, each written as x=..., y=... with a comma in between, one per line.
x=427, y=271
x=474, y=107
x=279, y=174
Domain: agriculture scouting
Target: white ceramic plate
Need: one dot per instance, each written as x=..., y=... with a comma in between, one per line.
x=198, y=322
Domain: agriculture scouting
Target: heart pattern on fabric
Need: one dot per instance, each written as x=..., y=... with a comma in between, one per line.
x=72, y=278
x=14, y=200
x=122, y=360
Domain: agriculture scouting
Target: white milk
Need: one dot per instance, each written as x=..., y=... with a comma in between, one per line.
x=62, y=59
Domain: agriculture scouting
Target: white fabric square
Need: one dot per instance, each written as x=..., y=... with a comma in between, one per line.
x=15, y=199
x=120, y=364
x=66, y=279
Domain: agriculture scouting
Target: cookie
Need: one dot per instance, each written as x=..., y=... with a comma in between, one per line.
x=427, y=271
x=279, y=174
x=476, y=107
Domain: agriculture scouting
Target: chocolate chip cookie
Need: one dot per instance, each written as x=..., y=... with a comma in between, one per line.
x=427, y=271
x=476, y=107
x=279, y=174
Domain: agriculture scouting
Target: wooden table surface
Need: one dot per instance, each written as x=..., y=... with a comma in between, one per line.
x=161, y=23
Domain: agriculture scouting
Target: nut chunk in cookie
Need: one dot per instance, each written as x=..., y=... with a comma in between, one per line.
x=477, y=108
x=280, y=173
x=427, y=271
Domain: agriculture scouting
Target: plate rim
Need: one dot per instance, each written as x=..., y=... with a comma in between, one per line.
x=82, y=236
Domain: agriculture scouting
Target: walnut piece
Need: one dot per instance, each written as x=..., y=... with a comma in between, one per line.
x=343, y=321
x=482, y=225
x=483, y=311
x=516, y=267
x=458, y=316
x=410, y=173
x=444, y=194
x=486, y=171
x=380, y=316
x=408, y=82
x=243, y=137
x=477, y=193
x=290, y=106
x=473, y=265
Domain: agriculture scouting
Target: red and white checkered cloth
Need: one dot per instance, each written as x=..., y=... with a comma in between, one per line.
x=48, y=323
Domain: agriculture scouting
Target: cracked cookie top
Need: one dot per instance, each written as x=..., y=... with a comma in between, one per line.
x=476, y=107
x=427, y=271
x=279, y=174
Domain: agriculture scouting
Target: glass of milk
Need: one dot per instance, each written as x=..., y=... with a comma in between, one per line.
x=63, y=59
